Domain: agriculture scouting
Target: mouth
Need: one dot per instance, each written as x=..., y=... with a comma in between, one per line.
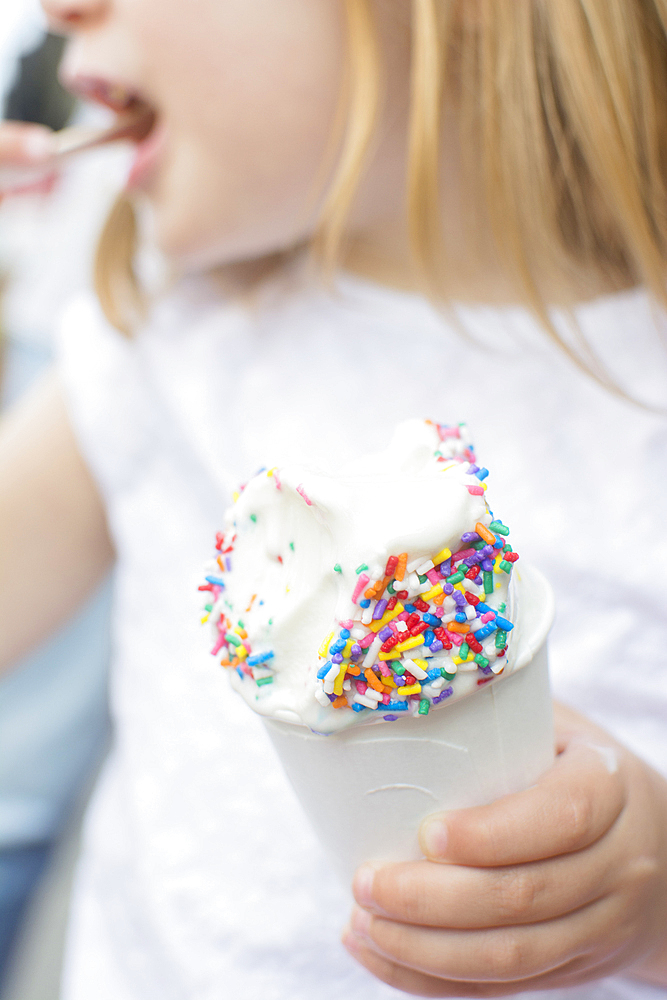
x=136, y=118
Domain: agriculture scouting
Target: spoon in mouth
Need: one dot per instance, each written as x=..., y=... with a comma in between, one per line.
x=133, y=124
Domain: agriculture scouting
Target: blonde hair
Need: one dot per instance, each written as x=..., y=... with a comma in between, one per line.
x=562, y=110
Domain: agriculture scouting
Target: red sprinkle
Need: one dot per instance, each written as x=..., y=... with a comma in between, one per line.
x=420, y=605
x=471, y=599
x=392, y=563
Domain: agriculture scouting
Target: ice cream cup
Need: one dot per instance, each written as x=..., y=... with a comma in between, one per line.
x=366, y=789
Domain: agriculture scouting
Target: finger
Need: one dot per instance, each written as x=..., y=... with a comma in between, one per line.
x=25, y=144
x=420, y=984
x=570, y=807
x=505, y=954
x=454, y=896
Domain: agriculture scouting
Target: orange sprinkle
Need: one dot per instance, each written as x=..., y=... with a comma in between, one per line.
x=400, y=567
x=484, y=533
x=221, y=564
x=355, y=671
x=439, y=599
x=225, y=662
x=252, y=601
x=373, y=681
x=340, y=702
x=370, y=593
x=457, y=627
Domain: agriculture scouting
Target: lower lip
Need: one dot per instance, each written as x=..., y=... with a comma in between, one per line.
x=146, y=160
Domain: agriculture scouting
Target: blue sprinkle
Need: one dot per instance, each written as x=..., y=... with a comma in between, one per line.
x=217, y=580
x=504, y=624
x=364, y=604
x=460, y=617
x=431, y=619
x=345, y=633
x=323, y=671
x=499, y=542
x=240, y=673
x=482, y=474
x=428, y=637
x=433, y=673
x=357, y=707
x=259, y=658
x=336, y=646
x=397, y=706
x=484, y=608
x=485, y=630
x=410, y=608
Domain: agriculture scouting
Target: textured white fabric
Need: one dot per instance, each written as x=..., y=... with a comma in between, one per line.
x=200, y=879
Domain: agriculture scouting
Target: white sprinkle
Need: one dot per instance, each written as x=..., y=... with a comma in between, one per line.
x=363, y=700
x=437, y=683
x=471, y=614
x=449, y=604
x=373, y=650
x=367, y=616
x=321, y=696
x=401, y=627
x=425, y=567
x=357, y=632
x=347, y=685
x=373, y=695
x=412, y=566
x=418, y=672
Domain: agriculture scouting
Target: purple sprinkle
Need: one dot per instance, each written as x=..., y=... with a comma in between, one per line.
x=472, y=469
x=356, y=650
x=459, y=598
x=485, y=670
x=487, y=565
x=445, y=568
x=380, y=609
x=391, y=718
x=228, y=564
x=332, y=697
x=436, y=646
x=337, y=658
x=385, y=633
x=471, y=561
x=448, y=587
x=486, y=552
x=478, y=580
x=443, y=694
x=468, y=537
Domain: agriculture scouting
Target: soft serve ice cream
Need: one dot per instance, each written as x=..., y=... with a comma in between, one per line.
x=376, y=594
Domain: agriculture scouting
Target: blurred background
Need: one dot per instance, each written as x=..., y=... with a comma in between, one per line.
x=54, y=726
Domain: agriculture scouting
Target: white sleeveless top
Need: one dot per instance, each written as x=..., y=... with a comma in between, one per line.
x=200, y=878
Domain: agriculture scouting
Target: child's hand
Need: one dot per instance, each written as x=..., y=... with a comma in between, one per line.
x=26, y=158
x=563, y=883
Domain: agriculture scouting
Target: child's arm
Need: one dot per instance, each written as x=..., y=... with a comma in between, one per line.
x=54, y=543
x=555, y=886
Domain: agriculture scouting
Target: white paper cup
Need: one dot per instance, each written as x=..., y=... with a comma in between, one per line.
x=366, y=790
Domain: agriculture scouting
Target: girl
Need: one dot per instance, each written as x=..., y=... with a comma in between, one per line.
x=488, y=151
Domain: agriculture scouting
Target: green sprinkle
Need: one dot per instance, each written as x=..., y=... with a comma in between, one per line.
x=448, y=677
x=502, y=609
x=270, y=621
x=253, y=518
x=234, y=639
x=424, y=706
x=507, y=548
x=499, y=527
x=464, y=649
x=240, y=624
x=390, y=587
x=422, y=577
x=400, y=670
x=264, y=680
x=478, y=545
x=361, y=568
x=228, y=604
x=291, y=545
x=481, y=660
x=505, y=566
x=457, y=577
x=208, y=607
x=501, y=639
x=337, y=568
x=488, y=583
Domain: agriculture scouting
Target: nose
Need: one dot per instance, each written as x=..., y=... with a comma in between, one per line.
x=66, y=16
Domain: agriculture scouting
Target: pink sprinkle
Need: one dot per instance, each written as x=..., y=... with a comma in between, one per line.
x=361, y=583
x=433, y=576
x=385, y=699
x=454, y=637
x=219, y=644
x=348, y=623
x=403, y=617
x=439, y=612
x=367, y=640
x=384, y=669
x=276, y=478
x=476, y=491
x=305, y=496
x=488, y=616
x=247, y=646
x=362, y=687
x=216, y=591
x=462, y=554
x=449, y=432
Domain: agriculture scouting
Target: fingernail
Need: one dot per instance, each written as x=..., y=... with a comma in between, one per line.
x=433, y=836
x=360, y=922
x=362, y=886
x=38, y=144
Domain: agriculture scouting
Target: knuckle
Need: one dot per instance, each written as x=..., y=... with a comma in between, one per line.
x=506, y=957
x=515, y=894
x=402, y=896
x=578, y=819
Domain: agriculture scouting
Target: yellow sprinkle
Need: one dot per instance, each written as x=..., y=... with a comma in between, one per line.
x=414, y=640
x=338, y=683
x=205, y=619
x=441, y=557
x=461, y=587
x=391, y=655
x=433, y=592
x=388, y=682
x=421, y=663
x=386, y=617
x=235, y=495
x=348, y=649
x=411, y=689
x=324, y=648
x=271, y=471
x=457, y=660
x=241, y=652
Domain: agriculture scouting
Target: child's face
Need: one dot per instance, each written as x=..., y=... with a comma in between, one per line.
x=245, y=92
